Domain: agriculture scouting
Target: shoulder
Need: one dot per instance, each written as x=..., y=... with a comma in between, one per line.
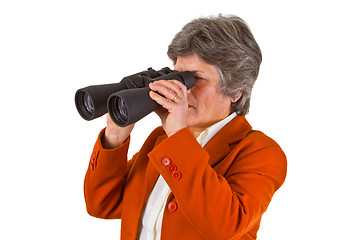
x=258, y=142
x=261, y=152
x=240, y=135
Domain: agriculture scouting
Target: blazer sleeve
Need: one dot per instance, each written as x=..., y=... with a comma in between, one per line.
x=221, y=206
x=105, y=180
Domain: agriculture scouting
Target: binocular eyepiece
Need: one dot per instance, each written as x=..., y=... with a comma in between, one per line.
x=127, y=101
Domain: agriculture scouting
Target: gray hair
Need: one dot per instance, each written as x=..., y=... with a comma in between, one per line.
x=228, y=44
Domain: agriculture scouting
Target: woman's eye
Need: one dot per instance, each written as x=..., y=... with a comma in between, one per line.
x=199, y=81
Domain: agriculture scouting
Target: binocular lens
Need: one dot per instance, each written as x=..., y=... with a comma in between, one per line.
x=84, y=104
x=119, y=110
x=89, y=105
x=123, y=112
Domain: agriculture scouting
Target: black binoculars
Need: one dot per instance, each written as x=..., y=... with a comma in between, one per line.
x=127, y=101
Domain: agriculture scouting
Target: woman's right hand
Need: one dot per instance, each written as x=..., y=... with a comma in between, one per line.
x=114, y=135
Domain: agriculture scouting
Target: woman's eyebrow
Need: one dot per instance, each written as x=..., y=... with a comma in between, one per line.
x=193, y=71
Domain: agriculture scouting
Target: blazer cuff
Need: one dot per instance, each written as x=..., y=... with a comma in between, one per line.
x=179, y=159
x=108, y=159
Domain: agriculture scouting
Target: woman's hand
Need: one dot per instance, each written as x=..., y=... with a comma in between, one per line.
x=114, y=135
x=174, y=101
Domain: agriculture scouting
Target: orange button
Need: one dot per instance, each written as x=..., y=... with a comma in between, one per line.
x=176, y=175
x=166, y=161
x=172, y=206
x=92, y=161
x=172, y=167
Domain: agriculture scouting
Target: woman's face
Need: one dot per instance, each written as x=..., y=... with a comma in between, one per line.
x=207, y=104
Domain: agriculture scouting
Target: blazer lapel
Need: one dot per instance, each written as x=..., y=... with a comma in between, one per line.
x=152, y=175
x=217, y=148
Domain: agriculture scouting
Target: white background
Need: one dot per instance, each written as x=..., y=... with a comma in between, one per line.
x=306, y=98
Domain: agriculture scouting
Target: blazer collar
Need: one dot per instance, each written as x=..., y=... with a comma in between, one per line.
x=219, y=146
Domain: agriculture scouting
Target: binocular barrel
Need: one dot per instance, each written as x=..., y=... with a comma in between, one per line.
x=127, y=101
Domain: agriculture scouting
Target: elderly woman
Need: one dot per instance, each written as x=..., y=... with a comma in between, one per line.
x=205, y=173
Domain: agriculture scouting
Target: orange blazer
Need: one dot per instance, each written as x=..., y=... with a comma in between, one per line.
x=217, y=192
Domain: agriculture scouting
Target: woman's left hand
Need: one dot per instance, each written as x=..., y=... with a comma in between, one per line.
x=174, y=101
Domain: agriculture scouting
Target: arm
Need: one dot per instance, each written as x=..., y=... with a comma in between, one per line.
x=105, y=178
x=107, y=171
x=228, y=205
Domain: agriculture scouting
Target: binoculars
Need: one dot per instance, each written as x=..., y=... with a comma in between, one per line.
x=127, y=101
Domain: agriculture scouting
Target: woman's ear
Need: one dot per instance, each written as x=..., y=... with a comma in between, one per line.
x=238, y=96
